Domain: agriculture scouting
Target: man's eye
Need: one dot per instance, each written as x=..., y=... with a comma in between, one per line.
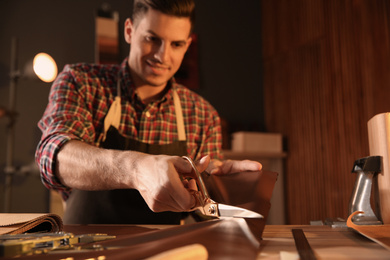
x=151, y=38
x=177, y=44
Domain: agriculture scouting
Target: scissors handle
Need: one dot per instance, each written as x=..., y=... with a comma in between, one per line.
x=199, y=180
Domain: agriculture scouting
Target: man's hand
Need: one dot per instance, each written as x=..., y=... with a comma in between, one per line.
x=233, y=166
x=159, y=180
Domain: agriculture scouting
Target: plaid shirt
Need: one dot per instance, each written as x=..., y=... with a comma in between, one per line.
x=81, y=97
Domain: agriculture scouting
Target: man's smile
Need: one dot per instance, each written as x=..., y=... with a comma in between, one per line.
x=157, y=67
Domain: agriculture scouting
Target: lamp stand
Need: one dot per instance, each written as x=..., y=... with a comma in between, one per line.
x=9, y=166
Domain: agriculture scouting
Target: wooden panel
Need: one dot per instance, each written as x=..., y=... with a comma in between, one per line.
x=326, y=73
x=379, y=143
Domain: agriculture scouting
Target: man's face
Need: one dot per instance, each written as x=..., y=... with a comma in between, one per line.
x=158, y=44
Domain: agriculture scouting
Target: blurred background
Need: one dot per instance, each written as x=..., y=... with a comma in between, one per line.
x=314, y=71
x=228, y=60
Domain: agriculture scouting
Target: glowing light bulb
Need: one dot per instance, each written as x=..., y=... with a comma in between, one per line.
x=45, y=67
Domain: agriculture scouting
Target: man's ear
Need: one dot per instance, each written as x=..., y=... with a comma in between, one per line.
x=128, y=30
x=189, y=40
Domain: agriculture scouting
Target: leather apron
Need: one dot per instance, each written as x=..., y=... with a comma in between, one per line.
x=124, y=206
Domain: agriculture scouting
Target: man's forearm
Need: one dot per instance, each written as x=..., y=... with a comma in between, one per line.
x=83, y=166
x=156, y=177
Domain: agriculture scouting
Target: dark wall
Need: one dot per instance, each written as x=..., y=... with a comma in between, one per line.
x=230, y=60
x=229, y=68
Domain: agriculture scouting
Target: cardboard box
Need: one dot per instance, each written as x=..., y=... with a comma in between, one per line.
x=257, y=142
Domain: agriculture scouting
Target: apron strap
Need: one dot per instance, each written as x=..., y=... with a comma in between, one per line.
x=179, y=117
x=114, y=116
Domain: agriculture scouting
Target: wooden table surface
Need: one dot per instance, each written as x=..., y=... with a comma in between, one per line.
x=277, y=243
x=326, y=242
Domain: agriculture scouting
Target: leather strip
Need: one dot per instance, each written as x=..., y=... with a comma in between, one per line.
x=377, y=233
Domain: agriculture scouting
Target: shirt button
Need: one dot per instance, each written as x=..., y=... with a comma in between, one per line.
x=147, y=114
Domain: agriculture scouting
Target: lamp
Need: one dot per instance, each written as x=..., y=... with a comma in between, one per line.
x=43, y=67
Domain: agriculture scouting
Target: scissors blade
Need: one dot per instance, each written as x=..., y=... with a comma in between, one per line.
x=236, y=212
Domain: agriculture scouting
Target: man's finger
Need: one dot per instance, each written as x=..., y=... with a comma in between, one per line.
x=203, y=163
x=233, y=166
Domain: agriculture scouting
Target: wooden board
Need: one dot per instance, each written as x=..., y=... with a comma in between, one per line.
x=379, y=143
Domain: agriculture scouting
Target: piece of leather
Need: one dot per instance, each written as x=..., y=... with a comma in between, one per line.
x=18, y=223
x=248, y=190
x=222, y=238
x=377, y=233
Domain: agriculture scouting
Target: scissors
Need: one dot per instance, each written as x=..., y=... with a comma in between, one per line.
x=208, y=207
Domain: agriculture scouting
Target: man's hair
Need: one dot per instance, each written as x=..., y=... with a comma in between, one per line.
x=178, y=8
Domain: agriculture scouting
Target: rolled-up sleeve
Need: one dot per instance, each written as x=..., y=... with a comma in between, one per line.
x=45, y=156
x=67, y=117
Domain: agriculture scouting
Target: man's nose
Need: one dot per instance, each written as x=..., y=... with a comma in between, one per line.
x=162, y=53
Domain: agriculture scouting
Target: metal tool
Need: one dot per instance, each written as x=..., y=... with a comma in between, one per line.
x=39, y=243
x=366, y=168
x=211, y=208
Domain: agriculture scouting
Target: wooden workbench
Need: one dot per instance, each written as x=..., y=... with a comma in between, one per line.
x=277, y=243
x=327, y=243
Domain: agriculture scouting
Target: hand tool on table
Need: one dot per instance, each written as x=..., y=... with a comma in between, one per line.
x=208, y=207
x=38, y=243
x=366, y=169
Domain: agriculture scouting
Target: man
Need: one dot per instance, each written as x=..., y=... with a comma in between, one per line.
x=113, y=134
